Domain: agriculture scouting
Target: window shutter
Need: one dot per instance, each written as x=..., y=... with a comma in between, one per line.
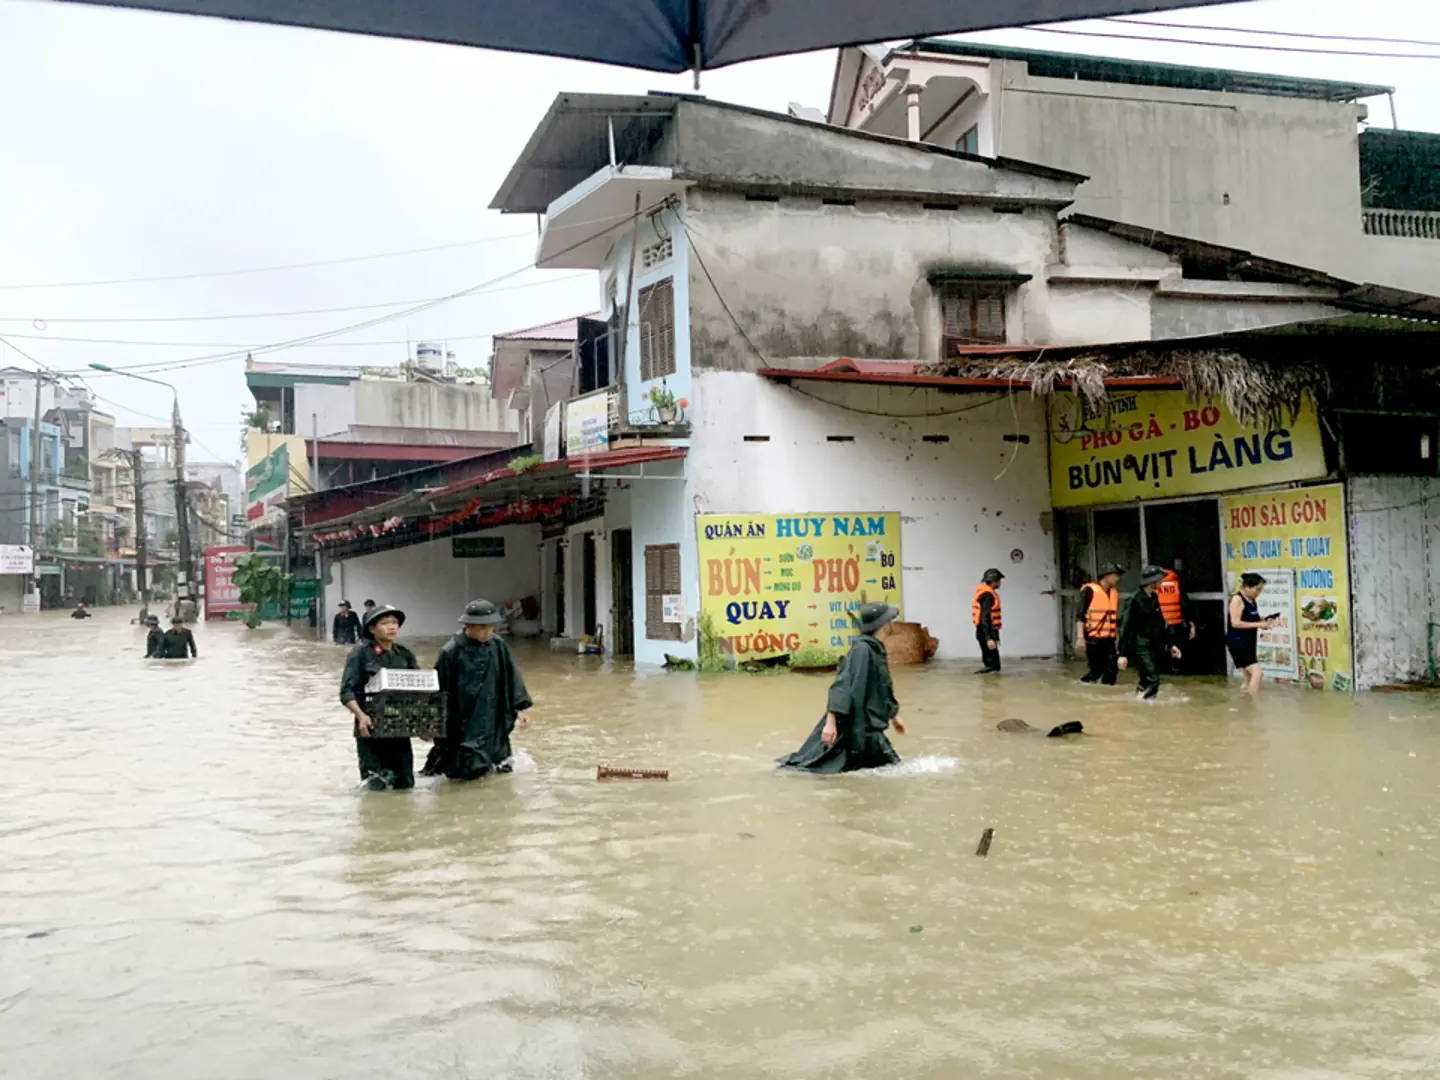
x=971, y=316
x=657, y=330
x=662, y=576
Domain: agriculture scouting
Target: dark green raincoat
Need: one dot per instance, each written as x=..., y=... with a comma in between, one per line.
x=390, y=760
x=863, y=701
x=483, y=693
x=178, y=644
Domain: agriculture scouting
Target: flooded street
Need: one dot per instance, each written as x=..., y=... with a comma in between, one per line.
x=193, y=887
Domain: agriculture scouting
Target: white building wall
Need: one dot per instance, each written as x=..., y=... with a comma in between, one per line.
x=332, y=408
x=1394, y=575
x=431, y=586
x=662, y=511
x=12, y=594
x=965, y=504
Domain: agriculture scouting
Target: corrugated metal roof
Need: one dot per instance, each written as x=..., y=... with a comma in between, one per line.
x=1075, y=66
x=564, y=330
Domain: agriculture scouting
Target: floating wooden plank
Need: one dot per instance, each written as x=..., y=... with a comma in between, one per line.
x=616, y=772
x=985, y=838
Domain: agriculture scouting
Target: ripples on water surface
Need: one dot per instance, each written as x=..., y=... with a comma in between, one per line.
x=191, y=887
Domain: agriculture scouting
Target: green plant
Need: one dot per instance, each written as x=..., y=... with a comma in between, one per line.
x=812, y=656
x=708, y=651
x=524, y=464
x=260, y=582
x=661, y=398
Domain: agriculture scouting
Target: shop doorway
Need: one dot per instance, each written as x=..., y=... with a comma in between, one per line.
x=1183, y=535
x=560, y=555
x=587, y=585
x=623, y=591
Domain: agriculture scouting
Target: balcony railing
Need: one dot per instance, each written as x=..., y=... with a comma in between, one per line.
x=1404, y=224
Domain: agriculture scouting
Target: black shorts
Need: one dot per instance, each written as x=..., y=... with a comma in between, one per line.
x=1242, y=652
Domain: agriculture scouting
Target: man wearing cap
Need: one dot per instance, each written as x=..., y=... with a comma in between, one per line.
x=485, y=699
x=1144, y=634
x=178, y=643
x=1098, y=625
x=154, y=638
x=985, y=613
x=860, y=707
x=389, y=762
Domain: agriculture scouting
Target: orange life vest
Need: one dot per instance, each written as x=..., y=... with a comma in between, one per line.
x=981, y=590
x=1169, y=594
x=1102, y=614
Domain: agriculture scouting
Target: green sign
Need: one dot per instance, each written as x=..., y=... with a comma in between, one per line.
x=267, y=483
x=302, y=592
x=477, y=547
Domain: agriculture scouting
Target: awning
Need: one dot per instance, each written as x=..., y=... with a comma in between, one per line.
x=908, y=373
x=658, y=35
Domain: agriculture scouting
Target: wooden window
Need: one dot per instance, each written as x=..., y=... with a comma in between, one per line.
x=657, y=330
x=971, y=316
x=662, y=578
x=969, y=143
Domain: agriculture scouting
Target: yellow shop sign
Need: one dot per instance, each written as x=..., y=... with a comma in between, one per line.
x=1155, y=444
x=773, y=584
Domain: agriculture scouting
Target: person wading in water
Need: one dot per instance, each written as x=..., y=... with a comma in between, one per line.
x=860, y=707
x=1098, y=624
x=384, y=763
x=1244, y=626
x=985, y=613
x=485, y=699
x=345, y=628
x=1144, y=634
x=178, y=643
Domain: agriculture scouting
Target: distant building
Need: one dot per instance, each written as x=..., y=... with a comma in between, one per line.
x=533, y=372
x=1284, y=167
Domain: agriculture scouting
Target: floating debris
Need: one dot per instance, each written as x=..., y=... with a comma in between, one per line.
x=985, y=838
x=615, y=772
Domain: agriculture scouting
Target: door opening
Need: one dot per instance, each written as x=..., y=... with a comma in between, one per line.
x=623, y=578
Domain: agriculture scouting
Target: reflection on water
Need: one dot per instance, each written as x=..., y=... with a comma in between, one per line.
x=1209, y=887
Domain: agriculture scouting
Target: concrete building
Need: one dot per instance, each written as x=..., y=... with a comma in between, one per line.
x=533, y=373
x=1281, y=166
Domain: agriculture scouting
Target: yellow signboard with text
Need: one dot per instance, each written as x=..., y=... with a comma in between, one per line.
x=774, y=583
x=1156, y=444
x=1300, y=532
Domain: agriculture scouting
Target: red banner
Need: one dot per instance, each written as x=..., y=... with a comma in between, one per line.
x=221, y=597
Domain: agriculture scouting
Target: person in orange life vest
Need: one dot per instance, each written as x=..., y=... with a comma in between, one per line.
x=1098, y=624
x=985, y=612
x=1176, y=610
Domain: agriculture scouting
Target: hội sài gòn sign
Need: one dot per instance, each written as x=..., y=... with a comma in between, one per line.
x=1156, y=444
x=1300, y=532
x=773, y=584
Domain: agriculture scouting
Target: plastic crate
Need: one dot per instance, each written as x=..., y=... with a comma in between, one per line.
x=405, y=714
x=414, y=680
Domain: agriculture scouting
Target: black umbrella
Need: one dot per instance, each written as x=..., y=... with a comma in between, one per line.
x=659, y=35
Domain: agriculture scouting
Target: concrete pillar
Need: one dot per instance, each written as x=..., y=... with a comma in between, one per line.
x=912, y=112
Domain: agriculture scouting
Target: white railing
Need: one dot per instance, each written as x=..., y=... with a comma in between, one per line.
x=1406, y=224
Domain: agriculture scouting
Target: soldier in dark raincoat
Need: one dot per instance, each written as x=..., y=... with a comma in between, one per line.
x=485, y=699
x=178, y=643
x=860, y=707
x=154, y=639
x=1145, y=637
x=384, y=763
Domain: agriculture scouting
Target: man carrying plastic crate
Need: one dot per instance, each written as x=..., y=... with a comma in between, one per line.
x=384, y=762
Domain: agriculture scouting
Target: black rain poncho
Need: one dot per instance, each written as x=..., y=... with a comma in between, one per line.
x=862, y=698
x=483, y=693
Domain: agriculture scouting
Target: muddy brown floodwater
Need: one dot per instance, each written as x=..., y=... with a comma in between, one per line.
x=192, y=887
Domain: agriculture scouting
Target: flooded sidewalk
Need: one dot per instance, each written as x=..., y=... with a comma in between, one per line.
x=1205, y=887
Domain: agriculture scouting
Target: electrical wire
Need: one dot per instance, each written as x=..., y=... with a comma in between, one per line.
x=268, y=314
x=1273, y=33
x=365, y=325
x=271, y=269
x=1230, y=45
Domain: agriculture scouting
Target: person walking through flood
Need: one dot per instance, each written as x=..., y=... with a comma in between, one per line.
x=860, y=707
x=345, y=628
x=178, y=643
x=81, y=611
x=1098, y=625
x=154, y=639
x=1243, y=626
x=985, y=613
x=388, y=762
x=485, y=699
x=1144, y=634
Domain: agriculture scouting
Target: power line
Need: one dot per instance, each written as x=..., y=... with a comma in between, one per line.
x=271, y=269
x=275, y=314
x=1231, y=45
x=416, y=309
x=1274, y=33
x=239, y=345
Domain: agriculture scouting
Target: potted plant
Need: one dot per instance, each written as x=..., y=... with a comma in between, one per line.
x=664, y=404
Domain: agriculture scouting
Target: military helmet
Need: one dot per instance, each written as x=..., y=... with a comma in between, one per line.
x=481, y=613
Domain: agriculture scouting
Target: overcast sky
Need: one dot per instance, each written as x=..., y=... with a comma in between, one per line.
x=140, y=145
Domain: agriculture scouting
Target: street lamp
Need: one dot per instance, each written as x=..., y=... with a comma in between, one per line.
x=184, y=579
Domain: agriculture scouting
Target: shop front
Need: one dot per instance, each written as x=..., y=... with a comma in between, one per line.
x=1150, y=479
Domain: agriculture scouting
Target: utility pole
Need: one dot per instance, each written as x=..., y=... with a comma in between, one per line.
x=142, y=582
x=185, y=580
x=36, y=532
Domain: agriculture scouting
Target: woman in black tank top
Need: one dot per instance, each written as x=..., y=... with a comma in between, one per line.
x=1243, y=627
